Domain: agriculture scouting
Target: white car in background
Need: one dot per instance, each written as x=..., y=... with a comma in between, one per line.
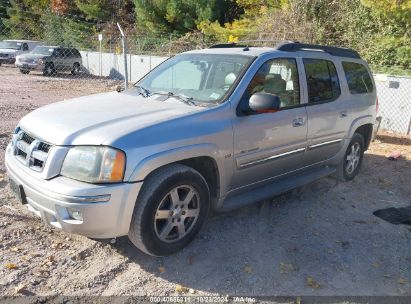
x=9, y=49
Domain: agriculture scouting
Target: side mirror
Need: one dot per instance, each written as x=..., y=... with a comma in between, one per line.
x=264, y=103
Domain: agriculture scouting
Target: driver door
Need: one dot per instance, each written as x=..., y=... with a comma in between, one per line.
x=267, y=145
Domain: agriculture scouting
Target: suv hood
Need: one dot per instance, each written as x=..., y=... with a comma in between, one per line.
x=100, y=119
x=33, y=56
x=8, y=51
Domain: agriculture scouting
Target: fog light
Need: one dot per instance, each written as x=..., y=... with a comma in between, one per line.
x=75, y=214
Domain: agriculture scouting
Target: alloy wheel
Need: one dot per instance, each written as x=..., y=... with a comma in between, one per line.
x=353, y=158
x=177, y=214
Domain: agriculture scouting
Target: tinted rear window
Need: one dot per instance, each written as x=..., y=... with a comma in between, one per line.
x=75, y=53
x=358, y=79
x=322, y=80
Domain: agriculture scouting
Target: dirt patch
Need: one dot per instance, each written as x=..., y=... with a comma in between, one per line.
x=321, y=240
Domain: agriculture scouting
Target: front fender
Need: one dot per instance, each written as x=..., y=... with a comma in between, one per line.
x=155, y=161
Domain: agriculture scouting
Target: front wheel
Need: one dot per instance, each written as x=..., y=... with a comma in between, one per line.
x=352, y=161
x=49, y=69
x=170, y=210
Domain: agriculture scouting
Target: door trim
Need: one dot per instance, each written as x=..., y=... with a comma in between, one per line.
x=325, y=143
x=275, y=156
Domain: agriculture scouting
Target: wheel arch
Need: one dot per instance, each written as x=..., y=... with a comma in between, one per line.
x=201, y=158
x=366, y=132
x=364, y=126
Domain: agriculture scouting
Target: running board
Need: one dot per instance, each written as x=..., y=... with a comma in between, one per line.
x=275, y=188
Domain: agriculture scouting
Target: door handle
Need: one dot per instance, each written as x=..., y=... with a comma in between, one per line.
x=298, y=122
x=343, y=114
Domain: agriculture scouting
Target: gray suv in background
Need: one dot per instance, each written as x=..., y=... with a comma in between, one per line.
x=211, y=129
x=9, y=49
x=49, y=60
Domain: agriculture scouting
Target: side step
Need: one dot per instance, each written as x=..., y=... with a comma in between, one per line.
x=275, y=188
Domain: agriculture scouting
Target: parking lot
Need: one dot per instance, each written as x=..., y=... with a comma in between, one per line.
x=322, y=239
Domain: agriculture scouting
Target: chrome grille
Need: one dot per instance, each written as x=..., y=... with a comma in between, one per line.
x=28, y=60
x=4, y=55
x=31, y=151
x=27, y=138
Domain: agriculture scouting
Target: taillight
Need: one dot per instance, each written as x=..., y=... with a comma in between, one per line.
x=377, y=105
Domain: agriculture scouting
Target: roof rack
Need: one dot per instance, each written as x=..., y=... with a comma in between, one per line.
x=332, y=50
x=241, y=44
x=293, y=46
x=227, y=45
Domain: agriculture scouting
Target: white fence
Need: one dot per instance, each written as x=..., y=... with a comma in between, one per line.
x=112, y=65
x=394, y=95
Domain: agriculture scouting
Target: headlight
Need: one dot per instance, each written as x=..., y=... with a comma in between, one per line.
x=94, y=164
x=39, y=61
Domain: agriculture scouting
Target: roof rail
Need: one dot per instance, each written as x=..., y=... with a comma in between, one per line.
x=241, y=43
x=332, y=50
x=226, y=45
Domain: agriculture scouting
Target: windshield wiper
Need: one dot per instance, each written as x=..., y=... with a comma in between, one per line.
x=143, y=91
x=187, y=100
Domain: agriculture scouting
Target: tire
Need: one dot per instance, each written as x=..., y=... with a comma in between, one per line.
x=76, y=69
x=349, y=166
x=49, y=69
x=25, y=71
x=156, y=210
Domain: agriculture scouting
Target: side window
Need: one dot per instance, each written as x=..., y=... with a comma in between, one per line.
x=278, y=77
x=66, y=53
x=358, y=79
x=58, y=53
x=322, y=80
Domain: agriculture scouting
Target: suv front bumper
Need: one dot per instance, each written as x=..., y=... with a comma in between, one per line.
x=29, y=66
x=7, y=60
x=106, y=209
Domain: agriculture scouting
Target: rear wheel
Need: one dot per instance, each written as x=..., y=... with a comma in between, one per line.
x=24, y=71
x=76, y=69
x=49, y=69
x=170, y=210
x=352, y=161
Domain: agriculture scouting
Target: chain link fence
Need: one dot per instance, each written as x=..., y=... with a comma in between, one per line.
x=69, y=55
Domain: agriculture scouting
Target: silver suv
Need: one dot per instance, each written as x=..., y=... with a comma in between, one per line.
x=9, y=49
x=212, y=129
x=49, y=60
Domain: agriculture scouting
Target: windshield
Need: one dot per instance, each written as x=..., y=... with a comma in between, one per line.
x=202, y=77
x=10, y=45
x=42, y=50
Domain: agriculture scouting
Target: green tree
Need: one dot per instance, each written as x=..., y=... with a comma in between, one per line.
x=24, y=16
x=106, y=13
x=178, y=16
x=4, y=4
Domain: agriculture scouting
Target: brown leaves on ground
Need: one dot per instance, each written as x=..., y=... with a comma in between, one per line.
x=15, y=249
x=312, y=283
x=20, y=288
x=248, y=269
x=181, y=289
x=287, y=268
x=161, y=269
x=10, y=266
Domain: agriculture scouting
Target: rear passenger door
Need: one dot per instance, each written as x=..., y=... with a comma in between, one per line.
x=328, y=110
x=58, y=58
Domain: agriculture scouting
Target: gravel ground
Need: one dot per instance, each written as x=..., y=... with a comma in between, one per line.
x=321, y=240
